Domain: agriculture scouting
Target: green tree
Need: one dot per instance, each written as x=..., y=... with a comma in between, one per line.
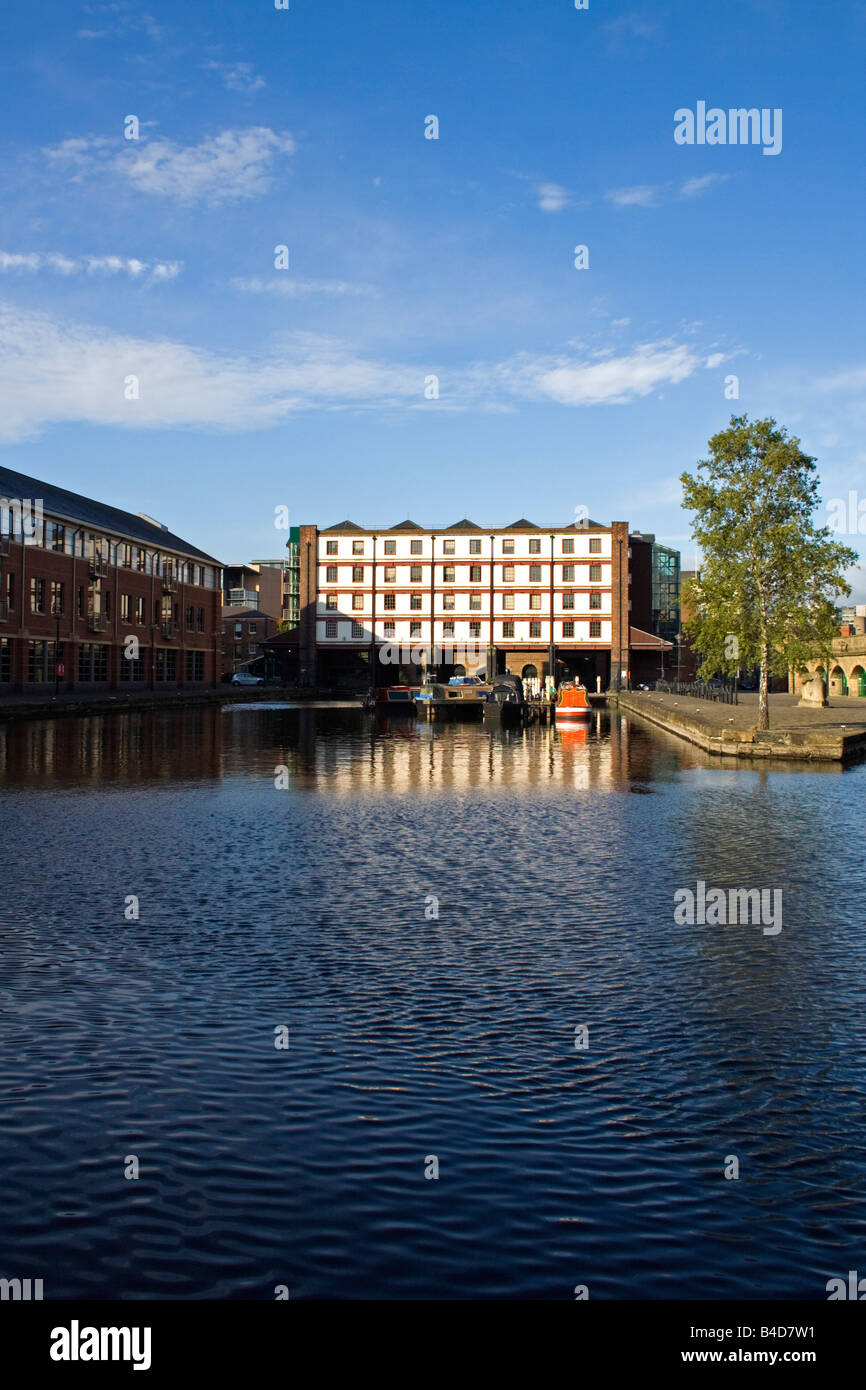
x=769, y=576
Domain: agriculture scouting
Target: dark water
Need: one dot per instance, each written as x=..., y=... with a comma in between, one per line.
x=554, y=859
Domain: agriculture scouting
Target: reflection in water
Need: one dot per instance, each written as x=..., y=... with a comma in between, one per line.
x=552, y=858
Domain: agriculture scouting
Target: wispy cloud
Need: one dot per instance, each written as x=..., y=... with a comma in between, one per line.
x=227, y=167
x=627, y=32
x=551, y=197
x=119, y=16
x=692, y=188
x=239, y=77
x=151, y=272
x=52, y=372
x=284, y=286
x=602, y=379
x=642, y=195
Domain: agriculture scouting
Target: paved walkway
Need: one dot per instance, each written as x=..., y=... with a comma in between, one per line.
x=785, y=713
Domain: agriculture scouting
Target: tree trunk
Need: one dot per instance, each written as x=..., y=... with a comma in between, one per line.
x=764, y=702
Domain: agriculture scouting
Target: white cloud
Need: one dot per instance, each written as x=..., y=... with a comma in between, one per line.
x=692, y=188
x=239, y=77
x=551, y=197
x=715, y=359
x=231, y=165
x=281, y=285
x=52, y=373
x=601, y=380
x=643, y=195
x=60, y=264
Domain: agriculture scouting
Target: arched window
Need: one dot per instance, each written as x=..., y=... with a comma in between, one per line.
x=530, y=673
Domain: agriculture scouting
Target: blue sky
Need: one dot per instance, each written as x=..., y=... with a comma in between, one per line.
x=408, y=257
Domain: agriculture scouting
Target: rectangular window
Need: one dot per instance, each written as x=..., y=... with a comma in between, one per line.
x=448, y=574
x=535, y=629
x=124, y=608
x=474, y=629
x=330, y=629
x=5, y=660
x=126, y=555
x=535, y=546
x=595, y=545
x=508, y=549
x=357, y=574
x=390, y=629
x=357, y=630
x=568, y=600
x=447, y=547
x=357, y=547
x=535, y=574
x=447, y=602
x=595, y=600
x=139, y=613
x=595, y=572
x=37, y=595
x=390, y=574
x=508, y=601
x=568, y=574
x=331, y=574
x=474, y=574
x=40, y=667
x=414, y=629
x=239, y=628
x=568, y=546
x=507, y=629
x=390, y=547
x=141, y=564
x=166, y=664
x=595, y=628
x=568, y=629
x=194, y=666
x=390, y=601
x=415, y=601
x=357, y=601
x=190, y=618
x=56, y=596
x=447, y=629
x=330, y=547
x=475, y=547
x=475, y=602
x=415, y=547
x=535, y=600
x=508, y=574
x=331, y=602
x=414, y=574
x=253, y=628
x=199, y=625
x=58, y=540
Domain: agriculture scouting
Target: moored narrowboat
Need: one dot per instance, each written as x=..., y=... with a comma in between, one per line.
x=572, y=703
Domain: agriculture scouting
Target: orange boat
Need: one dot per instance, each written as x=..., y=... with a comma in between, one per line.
x=572, y=703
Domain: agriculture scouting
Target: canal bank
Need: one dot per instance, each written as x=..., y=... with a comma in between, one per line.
x=23, y=707
x=834, y=734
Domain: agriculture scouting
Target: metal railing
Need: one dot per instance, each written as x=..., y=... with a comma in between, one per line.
x=168, y=629
x=725, y=692
x=4, y=610
x=96, y=622
x=97, y=566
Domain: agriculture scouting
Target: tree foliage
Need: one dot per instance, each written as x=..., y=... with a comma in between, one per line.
x=769, y=576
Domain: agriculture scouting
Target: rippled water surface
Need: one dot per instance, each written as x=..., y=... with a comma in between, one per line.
x=554, y=857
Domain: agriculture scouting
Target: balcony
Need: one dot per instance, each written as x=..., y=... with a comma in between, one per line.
x=168, y=629
x=5, y=542
x=4, y=610
x=169, y=582
x=96, y=622
x=97, y=566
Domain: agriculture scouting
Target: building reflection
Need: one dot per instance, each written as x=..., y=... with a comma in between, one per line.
x=175, y=745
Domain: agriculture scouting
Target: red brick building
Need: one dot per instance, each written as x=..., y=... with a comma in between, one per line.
x=244, y=631
x=93, y=598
